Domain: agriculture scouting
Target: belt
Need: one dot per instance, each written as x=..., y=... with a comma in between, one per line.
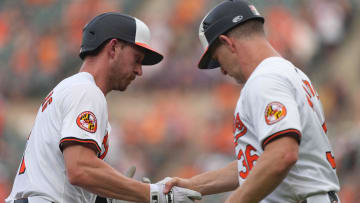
x=25, y=200
x=332, y=196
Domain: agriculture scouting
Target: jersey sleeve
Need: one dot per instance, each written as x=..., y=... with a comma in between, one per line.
x=273, y=109
x=85, y=117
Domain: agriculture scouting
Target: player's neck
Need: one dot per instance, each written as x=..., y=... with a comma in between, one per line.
x=97, y=69
x=254, y=52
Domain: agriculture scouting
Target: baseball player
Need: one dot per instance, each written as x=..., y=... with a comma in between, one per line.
x=66, y=152
x=283, y=153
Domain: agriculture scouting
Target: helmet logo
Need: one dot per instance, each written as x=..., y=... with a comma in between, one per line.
x=205, y=25
x=237, y=19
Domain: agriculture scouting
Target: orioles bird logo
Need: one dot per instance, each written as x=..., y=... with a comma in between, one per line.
x=87, y=121
x=275, y=111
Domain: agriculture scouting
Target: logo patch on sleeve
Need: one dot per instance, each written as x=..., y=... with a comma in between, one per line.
x=274, y=112
x=87, y=121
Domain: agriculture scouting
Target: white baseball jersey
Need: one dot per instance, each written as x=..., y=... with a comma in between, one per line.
x=279, y=100
x=75, y=111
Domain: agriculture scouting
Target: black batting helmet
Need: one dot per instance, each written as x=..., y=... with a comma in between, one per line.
x=221, y=19
x=115, y=25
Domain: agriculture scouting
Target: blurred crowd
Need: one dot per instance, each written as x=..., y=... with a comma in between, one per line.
x=176, y=120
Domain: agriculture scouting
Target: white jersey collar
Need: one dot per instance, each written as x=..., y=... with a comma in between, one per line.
x=261, y=64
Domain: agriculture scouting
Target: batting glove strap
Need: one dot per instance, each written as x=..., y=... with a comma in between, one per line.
x=175, y=195
x=156, y=194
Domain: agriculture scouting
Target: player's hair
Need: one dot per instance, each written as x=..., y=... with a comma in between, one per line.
x=253, y=27
x=101, y=47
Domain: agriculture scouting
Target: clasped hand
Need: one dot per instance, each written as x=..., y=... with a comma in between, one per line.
x=171, y=194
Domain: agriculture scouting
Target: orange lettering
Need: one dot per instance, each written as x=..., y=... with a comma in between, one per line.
x=22, y=166
x=331, y=159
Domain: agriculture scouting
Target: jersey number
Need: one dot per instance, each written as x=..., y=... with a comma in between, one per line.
x=22, y=165
x=247, y=160
x=47, y=101
x=331, y=159
x=310, y=93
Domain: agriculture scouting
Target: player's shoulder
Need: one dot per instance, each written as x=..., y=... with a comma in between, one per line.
x=272, y=74
x=274, y=66
x=273, y=69
x=77, y=85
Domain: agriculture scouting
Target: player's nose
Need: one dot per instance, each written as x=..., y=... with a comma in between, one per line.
x=138, y=70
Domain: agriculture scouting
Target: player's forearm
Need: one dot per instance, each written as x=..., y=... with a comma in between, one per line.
x=100, y=178
x=217, y=181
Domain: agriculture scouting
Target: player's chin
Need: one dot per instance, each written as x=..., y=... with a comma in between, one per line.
x=240, y=82
x=123, y=86
x=120, y=87
x=239, y=79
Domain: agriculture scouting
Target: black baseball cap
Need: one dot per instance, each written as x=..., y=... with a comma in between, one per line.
x=221, y=19
x=116, y=25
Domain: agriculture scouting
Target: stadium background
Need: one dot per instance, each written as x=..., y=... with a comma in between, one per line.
x=176, y=120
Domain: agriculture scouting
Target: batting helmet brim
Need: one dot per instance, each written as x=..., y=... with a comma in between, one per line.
x=151, y=57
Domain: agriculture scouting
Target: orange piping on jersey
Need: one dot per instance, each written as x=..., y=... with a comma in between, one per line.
x=324, y=127
x=81, y=141
x=282, y=133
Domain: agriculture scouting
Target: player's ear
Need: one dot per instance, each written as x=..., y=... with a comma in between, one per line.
x=228, y=42
x=111, y=47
